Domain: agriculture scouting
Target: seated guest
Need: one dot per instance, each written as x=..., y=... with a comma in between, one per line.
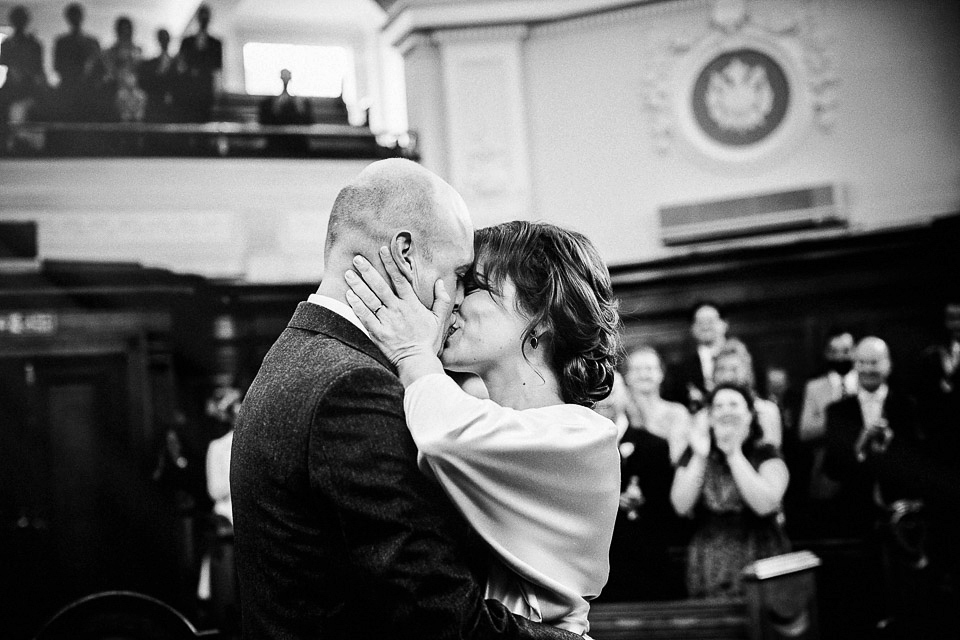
x=76, y=57
x=871, y=444
x=25, y=84
x=286, y=109
x=692, y=378
x=647, y=524
x=732, y=484
x=733, y=364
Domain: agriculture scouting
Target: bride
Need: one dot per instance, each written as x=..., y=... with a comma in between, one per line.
x=533, y=468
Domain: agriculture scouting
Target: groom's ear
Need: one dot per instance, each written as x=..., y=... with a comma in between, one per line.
x=401, y=250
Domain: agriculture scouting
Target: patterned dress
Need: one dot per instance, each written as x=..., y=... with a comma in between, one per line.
x=728, y=534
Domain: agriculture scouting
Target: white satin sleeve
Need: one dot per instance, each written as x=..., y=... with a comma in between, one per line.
x=541, y=486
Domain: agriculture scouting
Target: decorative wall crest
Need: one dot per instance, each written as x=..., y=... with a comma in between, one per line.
x=744, y=85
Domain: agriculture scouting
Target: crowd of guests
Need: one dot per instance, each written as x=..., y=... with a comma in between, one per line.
x=711, y=466
x=116, y=84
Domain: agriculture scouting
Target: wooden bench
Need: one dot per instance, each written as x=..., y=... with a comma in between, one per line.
x=693, y=619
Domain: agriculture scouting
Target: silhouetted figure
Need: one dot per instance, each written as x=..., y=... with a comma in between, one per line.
x=76, y=57
x=159, y=80
x=938, y=395
x=285, y=109
x=22, y=54
x=201, y=58
x=938, y=390
x=121, y=62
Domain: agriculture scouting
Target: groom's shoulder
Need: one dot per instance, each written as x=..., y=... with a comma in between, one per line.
x=321, y=361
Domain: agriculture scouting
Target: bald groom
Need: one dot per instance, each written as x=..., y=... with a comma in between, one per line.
x=338, y=534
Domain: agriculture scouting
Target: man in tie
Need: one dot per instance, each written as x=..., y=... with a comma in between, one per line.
x=692, y=378
x=870, y=444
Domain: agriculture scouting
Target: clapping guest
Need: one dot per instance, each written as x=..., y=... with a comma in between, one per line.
x=871, y=444
x=732, y=483
x=734, y=365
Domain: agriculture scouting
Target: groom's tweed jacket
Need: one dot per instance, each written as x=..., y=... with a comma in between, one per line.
x=338, y=534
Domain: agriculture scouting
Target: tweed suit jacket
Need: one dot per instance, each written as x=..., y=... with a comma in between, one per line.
x=338, y=534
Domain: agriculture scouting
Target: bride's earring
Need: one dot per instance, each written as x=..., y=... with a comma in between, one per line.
x=534, y=341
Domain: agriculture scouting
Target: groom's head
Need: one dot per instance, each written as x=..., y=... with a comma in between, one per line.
x=401, y=205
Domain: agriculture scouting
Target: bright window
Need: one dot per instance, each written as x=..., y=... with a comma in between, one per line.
x=319, y=71
x=3, y=67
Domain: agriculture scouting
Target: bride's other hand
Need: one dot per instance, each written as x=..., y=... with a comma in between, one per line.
x=398, y=322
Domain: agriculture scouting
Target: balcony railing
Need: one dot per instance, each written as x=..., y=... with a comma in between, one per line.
x=212, y=139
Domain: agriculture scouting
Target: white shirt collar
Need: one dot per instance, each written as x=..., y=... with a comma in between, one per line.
x=342, y=309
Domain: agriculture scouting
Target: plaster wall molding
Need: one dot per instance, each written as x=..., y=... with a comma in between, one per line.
x=789, y=33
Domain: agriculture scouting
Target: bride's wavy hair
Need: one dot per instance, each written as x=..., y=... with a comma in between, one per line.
x=563, y=286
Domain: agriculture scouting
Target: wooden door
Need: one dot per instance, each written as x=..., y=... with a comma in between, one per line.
x=80, y=514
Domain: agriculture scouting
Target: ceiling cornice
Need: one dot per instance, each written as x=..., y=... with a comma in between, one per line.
x=407, y=17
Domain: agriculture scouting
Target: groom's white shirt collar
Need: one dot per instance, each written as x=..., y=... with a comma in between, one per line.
x=342, y=309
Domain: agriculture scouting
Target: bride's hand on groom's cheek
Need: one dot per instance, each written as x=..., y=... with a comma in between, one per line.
x=398, y=322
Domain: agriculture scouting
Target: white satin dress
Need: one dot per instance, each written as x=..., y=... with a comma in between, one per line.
x=541, y=486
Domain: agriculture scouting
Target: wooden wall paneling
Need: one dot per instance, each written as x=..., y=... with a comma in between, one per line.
x=783, y=300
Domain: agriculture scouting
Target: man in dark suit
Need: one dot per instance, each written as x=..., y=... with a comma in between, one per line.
x=201, y=63
x=691, y=379
x=338, y=533
x=871, y=444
